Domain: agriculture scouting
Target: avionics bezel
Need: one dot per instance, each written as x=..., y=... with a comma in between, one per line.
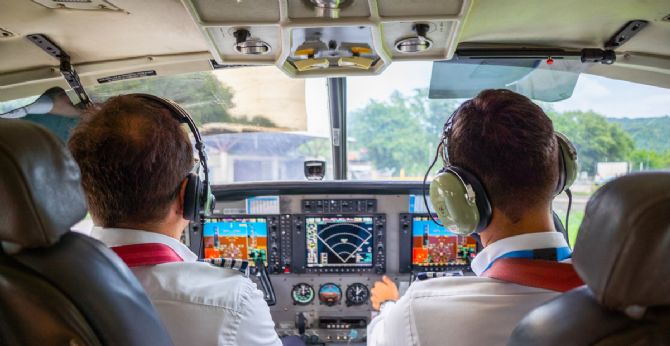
x=236, y=216
x=406, y=223
x=299, y=257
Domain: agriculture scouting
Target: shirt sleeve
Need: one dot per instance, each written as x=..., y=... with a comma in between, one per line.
x=392, y=325
x=256, y=326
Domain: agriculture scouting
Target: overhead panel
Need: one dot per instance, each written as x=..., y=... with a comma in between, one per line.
x=230, y=11
x=417, y=8
x=329, y=37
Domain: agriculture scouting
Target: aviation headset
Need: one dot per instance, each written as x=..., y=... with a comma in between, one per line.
x=460, y=199
x=198, y=197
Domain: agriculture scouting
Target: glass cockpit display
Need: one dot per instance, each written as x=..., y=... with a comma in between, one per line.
x=339, y=241
x=240, y=238
x=433, y=245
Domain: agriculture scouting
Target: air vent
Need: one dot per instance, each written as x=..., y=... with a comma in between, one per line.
x=90, y=5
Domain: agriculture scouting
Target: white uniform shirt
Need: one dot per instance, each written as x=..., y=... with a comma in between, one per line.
x=464, y=310
x=199, y=304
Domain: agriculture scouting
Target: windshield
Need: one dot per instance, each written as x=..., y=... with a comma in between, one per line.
x=257, y=123
x=616, y=126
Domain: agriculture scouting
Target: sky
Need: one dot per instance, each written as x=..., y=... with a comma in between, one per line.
x=612, y=98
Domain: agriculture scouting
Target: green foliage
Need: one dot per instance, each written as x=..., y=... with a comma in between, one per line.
x=400, y=134
x=576, y=218
x=644, y=159
x=648, y=133
x=205, y=98
x=595, y=138
x=317, y=148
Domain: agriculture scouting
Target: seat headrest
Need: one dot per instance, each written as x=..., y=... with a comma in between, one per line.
x=39, y=186
x=623, y=246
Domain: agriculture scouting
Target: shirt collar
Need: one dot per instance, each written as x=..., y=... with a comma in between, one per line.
x=530, y=241
x=124, y=236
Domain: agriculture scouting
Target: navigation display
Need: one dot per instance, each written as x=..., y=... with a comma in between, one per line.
x=236, y=237
x=339, y=241
x=433, y=245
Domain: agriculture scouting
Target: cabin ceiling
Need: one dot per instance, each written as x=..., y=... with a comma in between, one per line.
x=171, y=36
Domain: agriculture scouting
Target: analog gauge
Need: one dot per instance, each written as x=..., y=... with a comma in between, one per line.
x=302, y=294
x=330, y=294
x=357, y=294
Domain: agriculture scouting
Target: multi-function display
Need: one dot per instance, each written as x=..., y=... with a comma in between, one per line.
x=339, y=241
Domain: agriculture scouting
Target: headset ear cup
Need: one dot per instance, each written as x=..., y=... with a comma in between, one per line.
x=449, y=193
x=192, y=197
x=567, y=161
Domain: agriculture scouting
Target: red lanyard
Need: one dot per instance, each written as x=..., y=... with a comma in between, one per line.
x=550, y=275
x=147, y=254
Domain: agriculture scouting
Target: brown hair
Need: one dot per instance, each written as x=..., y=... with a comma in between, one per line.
x=508, y=142
x=133, y=154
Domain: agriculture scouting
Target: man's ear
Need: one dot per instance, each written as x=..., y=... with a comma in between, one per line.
x=182, y=194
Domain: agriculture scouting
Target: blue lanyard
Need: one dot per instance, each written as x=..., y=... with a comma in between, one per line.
x=549, y=254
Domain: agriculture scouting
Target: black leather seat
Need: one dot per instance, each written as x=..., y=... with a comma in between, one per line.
x=622, y=253
x=59, y=287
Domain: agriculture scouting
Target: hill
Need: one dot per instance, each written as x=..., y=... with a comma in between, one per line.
x=647, y=133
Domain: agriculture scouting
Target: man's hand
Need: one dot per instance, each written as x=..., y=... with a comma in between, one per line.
x=383, y=291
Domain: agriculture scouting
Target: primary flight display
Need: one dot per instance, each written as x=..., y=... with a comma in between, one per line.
x=239, y=238
x=433, y=245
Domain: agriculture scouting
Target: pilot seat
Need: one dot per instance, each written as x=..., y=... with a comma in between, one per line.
x=58, y=287
x=622, y=254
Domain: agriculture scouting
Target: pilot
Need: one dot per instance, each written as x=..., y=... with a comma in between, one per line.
x=508, y=142
x=134, y=158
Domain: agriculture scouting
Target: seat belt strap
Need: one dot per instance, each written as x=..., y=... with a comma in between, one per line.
x=147, y=254
x=550, y=275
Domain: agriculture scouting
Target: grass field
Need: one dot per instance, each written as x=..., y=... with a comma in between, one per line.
x=576, y=217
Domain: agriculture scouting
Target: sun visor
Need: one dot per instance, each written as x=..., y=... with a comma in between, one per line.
x=540, y=80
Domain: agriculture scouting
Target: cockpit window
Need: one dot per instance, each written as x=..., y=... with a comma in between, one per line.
x=257, y=123
x=394, y=126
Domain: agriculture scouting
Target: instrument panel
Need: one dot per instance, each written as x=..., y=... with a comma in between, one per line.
x=325, y=251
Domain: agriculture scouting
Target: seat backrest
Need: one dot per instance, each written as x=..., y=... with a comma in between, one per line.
x=622, y=253
x=56, y=286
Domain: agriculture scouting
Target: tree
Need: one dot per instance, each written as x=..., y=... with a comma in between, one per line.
x=316, y=148
x=391, y=135
x=401, y=134
x=431, y=113
x=644, y=159
x=595, y=139
x=648, y=133
x=204, y=96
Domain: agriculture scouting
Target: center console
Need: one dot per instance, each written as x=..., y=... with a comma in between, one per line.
x=324, y=253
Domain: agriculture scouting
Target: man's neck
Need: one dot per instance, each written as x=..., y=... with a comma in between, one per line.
x=534, y=221
x=169, y=230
